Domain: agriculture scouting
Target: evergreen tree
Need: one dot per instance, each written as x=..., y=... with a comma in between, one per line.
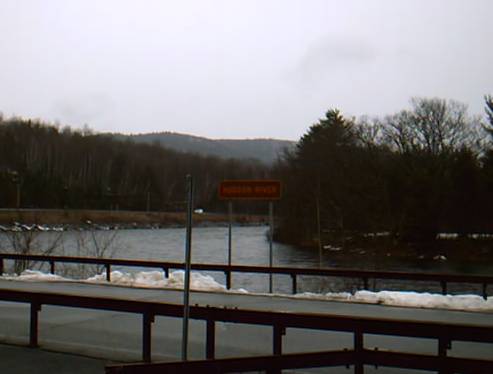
x=414, y=174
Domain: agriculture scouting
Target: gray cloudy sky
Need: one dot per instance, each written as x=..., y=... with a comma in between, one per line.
x=232, y=69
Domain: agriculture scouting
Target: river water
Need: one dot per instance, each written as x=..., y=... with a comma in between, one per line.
x=250, y=246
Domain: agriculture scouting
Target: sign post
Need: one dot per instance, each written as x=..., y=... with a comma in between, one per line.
x=268, y=190
x=271, y=236
x=188, y=260
x=230, y=233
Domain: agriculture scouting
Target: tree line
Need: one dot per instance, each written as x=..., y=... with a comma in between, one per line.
x=419, y=172
x=45, y=166
x=413, y=174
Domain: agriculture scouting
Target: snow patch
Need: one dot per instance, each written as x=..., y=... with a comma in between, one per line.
x=145, y=279
x=447, y=235
x=427, y=300
x=331, y=296
x=440, y=258
x=34, y=275
x=156, y=279
x=408, y=299
x=332, y=248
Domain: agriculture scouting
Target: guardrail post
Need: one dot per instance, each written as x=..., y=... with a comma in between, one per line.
x=147, y=320
x=295, y=286
x=33, y=330
x=358, y=351
x=485, y=294
x=52, y=267
x=108, y=272
x=166, y=272
x=1, y=266
x=443, y=345
x=365, y=283
x=279, y=331
x=228, y=279
x=210, y=349
x=444, y=287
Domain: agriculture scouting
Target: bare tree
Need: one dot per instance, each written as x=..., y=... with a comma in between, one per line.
x=26, y=239
x=432, y=125
x=369, y=131
x=399, y=133
x=92, y=243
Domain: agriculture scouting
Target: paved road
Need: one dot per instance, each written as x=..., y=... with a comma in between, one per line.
x=21, y=360
x=117, y=336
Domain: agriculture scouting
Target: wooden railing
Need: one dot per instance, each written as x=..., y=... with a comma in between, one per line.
x=346, y=357
x=444, y=333
x=365, y=275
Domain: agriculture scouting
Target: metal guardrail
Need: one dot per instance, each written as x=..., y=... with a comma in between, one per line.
x=294, y=272
x=444, y=333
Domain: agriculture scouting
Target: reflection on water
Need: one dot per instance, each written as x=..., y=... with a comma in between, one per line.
x=250, y=246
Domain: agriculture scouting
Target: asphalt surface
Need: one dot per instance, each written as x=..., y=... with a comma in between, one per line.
x=21, y=360
x=88, y=339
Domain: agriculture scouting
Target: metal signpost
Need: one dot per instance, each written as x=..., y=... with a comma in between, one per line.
x=268, y=190
x=188, y=260
x=230, y=229
x=271, y=236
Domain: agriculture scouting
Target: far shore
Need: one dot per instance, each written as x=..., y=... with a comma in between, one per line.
x=117, y=217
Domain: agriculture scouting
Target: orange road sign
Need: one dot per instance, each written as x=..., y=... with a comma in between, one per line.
x=250, y=190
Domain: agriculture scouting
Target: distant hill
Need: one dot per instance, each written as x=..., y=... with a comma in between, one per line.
x=264, y=150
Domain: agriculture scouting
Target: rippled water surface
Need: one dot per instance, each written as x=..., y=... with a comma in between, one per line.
x=250, y=246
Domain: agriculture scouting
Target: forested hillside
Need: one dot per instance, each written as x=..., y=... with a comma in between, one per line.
x=264, y=150
x=44, y=166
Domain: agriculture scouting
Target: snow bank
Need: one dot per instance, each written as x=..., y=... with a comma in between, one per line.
x=33, y=275
x=409, y=299
x=146, y=279
x=156, y=279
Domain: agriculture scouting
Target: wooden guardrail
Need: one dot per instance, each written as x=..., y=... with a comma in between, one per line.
x=294, y=272
x=276, y=363
x=444, y=333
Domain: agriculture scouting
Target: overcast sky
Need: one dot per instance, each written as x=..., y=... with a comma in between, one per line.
x=234, y=69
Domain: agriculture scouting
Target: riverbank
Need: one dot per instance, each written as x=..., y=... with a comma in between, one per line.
x=380, y=250
x=126, y=219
